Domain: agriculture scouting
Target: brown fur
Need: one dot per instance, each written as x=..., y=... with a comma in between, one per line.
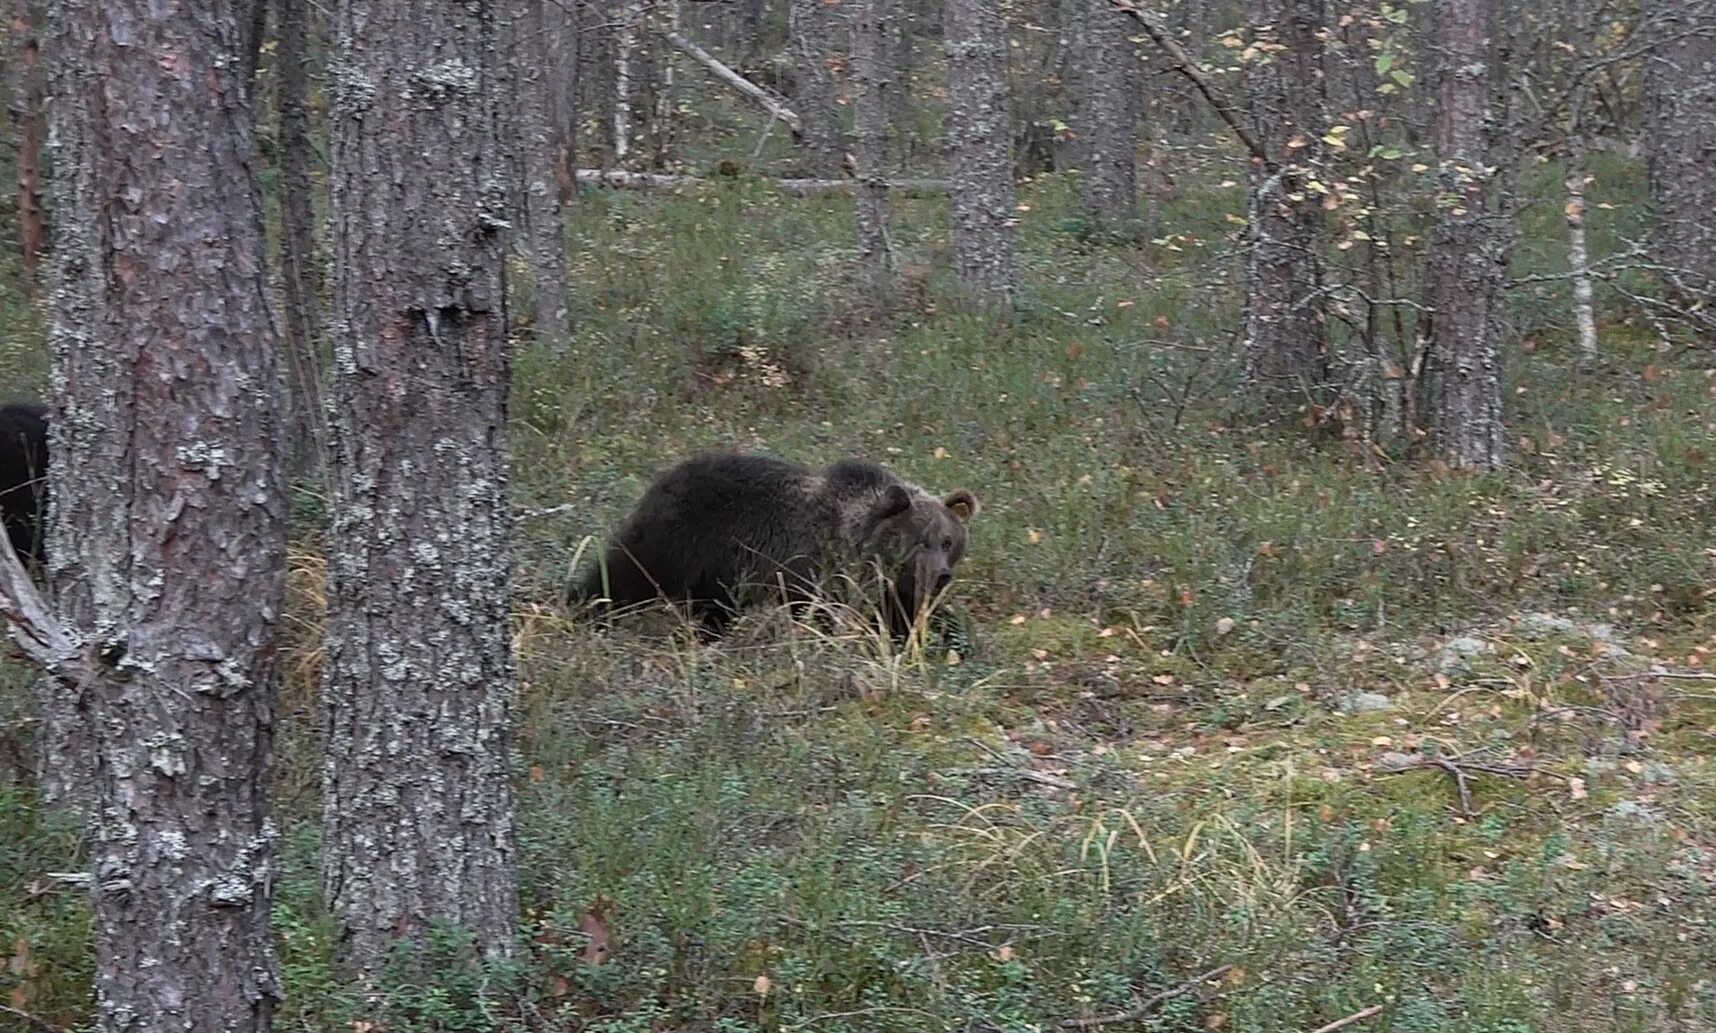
x=24, y=477
x=714, y=526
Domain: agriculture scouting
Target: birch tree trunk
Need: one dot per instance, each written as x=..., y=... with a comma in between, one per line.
x=418, y=680
x=1680, y=122
x=1469, y=247
x=169, y=543
x=625, y=52
x=1577, y=169
x=1109, y=106
x=1284, y=367
x=300, y=263
x=876, y=259
x=980, y=138
x=811, y=27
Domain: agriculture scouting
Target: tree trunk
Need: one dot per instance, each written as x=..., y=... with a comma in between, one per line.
x=812, y=31
x=979, y=130
x=544, y=226
x=255, y=28
x=1285, y=364
x=300, y=264
x=169, y=543
x=418, y=681
x=31, y=125
x=896, y=17
x=625, y=54
x=1577, y=166
x=876, y=260
x=1469, y=247
x=1680, y=121
x=1109, y=105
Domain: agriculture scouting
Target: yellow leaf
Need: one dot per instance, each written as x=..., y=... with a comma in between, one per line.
x=1033, y=535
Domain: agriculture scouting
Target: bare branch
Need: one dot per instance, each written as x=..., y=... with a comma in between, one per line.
x=33, y=624
x=1187, y=66
x=1149, y=1004
x=771, y=103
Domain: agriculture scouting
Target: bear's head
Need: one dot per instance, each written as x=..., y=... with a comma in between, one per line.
x=923, y=538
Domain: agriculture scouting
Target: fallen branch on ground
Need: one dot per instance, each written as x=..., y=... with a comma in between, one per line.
x=1149, y=1004
x=1357, y=1016
x=622, y=180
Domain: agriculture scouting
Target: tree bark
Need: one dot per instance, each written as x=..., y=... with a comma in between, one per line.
x=1680, y=123
x=1470, y=246
x=1577, y=169
x=31, y=126
x=897, y=19
x=979, y=130
x=1285, y=366
x=169, y=541
x=810, y=24
x=544, y=225
x=1108, y=105
x=418, y=681
x=625, y=53
x=300, y=262
x=876, y=261
x=255, y=28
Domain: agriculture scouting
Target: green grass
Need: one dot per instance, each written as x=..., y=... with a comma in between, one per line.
x=1142, y=770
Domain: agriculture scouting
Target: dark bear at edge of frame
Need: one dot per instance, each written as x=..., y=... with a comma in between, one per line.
x=24, y=478
x=713, y=525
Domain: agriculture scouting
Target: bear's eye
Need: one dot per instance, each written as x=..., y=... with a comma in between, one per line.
x=947, y=545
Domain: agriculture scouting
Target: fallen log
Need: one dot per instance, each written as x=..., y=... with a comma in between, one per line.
x=622, y=180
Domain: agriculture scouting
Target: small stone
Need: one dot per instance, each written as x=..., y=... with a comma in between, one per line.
x=1364, y=703
x=1455, y=654
x=1394, y=760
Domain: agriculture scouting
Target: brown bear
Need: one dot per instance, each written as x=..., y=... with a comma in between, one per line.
x=714, y=526
x=24, y=478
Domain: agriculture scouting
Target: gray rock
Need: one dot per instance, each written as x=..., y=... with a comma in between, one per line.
x=1364, y=703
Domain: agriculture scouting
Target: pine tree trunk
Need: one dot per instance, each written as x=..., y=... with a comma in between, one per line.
x=544, y=226
x=897, y=17
x=31, y=126
x=1680, y=122
x=168, y=504
x=1109, y=107
x=876, y=260
x=418, y=681
x=300, y=263
x=810, y=23
x=1469, y=247
x=1284, y=367
x=980, y=138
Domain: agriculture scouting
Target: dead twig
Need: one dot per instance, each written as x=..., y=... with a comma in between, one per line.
x=33, y=1020
x=1357, y=1016
x=1149, y=1004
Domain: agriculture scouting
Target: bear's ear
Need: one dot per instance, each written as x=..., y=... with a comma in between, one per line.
x=894, y=501
x=963, y=503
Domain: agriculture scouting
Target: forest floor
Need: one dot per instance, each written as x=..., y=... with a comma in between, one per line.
x=1344, y=732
